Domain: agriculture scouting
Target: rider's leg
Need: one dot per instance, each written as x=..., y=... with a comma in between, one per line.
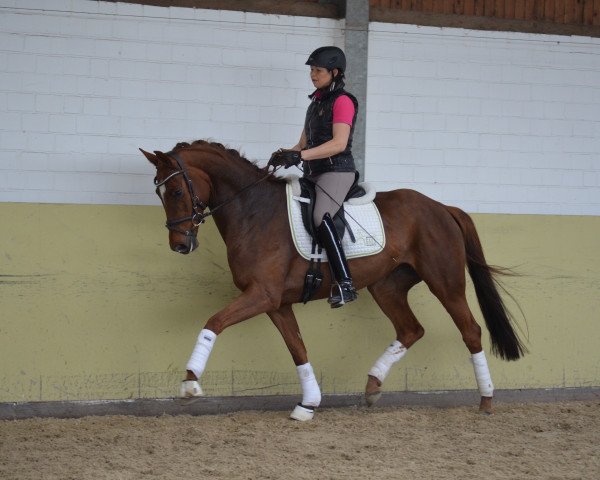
x=344, y=290
x=331, y=189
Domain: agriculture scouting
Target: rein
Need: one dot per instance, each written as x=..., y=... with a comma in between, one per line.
x=198, y=216
x=229, y=200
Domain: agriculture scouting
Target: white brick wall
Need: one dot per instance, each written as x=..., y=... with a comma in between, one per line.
x=83, y=84
x=488, y=121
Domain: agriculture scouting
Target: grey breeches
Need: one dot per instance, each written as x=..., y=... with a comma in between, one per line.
x=337, y=185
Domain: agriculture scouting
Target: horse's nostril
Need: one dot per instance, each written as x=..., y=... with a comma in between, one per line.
x=181, y=248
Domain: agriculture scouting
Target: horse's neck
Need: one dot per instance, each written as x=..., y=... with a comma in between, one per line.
x=227, y=180
x=226, y=174
x=241, y=209
x=244, y=221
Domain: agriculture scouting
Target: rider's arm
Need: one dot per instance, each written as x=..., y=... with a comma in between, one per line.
x=341, y=133
x=301, y=143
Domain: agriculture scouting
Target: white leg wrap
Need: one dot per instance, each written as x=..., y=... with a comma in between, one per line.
x=201, y=352
x=311, y=393
x=482, y=374
x=383, y=364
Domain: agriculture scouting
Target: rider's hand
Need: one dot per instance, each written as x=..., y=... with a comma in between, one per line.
x=285, y=158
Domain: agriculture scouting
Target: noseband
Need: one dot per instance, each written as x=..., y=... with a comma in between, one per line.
x=197, y=215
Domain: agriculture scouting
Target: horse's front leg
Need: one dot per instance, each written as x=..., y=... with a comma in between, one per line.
x=253, y=301
x=285, y=321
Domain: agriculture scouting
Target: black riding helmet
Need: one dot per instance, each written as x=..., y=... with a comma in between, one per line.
x=329, y=58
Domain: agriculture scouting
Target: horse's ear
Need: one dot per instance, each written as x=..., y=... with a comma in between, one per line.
x=164, y=158
x=151, y=157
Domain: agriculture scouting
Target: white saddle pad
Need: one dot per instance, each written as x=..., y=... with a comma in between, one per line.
x=361, y=214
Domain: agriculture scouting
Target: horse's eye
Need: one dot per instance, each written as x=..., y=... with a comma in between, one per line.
x=177, y=193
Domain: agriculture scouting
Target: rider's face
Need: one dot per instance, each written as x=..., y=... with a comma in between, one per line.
x=321, y=77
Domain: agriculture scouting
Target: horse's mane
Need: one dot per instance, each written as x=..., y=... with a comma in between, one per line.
x=231, y=152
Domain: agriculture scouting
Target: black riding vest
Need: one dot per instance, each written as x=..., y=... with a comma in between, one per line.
x=318, y=128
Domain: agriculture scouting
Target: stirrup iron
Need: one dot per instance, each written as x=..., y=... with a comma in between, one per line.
x=345, y=293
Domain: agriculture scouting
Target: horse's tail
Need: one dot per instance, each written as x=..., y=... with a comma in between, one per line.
x=505, y=341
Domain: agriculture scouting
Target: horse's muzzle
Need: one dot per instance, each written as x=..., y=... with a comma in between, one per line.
x=189, y=246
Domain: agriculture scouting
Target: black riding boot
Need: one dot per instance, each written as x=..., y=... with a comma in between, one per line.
x=342, y=291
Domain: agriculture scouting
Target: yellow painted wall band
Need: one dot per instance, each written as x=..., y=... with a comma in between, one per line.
x=94, y=305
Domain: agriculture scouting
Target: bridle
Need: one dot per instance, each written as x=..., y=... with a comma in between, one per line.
x=197, y=215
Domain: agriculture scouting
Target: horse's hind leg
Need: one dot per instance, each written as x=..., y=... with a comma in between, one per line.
x=285, y=321
x=470, y=330
x=391, y=294
x=450, y=290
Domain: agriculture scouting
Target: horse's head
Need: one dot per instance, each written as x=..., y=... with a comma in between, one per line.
x=184, y=193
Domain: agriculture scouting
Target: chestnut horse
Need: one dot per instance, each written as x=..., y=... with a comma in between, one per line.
x=425, y=241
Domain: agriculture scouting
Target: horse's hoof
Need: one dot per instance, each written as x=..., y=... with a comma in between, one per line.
x=302, y=413
x=485, y=406
x=372, y=398
x=190, y=388
x=372, y=390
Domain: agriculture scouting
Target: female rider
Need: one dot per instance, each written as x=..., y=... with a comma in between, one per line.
x=325, y=150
